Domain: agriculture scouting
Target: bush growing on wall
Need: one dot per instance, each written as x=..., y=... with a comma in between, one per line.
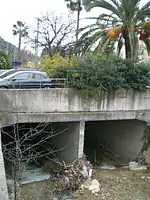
x=4, y=61
x=56, y=64
x=108, y=73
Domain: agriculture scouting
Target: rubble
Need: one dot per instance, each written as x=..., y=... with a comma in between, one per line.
x=134, y=166
x=71, y=176
x=94, y=187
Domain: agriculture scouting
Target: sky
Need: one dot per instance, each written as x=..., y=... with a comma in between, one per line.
x=28, y=10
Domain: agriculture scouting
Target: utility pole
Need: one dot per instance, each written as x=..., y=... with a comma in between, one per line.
x=37, y=38
x=79, y=8
x=78, y=21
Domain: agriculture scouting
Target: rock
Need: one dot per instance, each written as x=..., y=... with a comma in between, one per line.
x=134, y=166
x=105, y=166
x=94, y=187
x=86, y=184
x=147, y=156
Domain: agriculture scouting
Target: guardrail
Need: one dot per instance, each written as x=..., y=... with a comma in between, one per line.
x=59, y=82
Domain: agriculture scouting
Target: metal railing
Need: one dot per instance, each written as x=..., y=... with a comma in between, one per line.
x=59, y=82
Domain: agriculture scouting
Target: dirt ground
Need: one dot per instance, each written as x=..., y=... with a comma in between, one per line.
x=119, y=184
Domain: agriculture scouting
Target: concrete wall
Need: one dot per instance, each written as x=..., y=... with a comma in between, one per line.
x=70, y=142
x=59, y=105
x=123, y=137
x=68, y=100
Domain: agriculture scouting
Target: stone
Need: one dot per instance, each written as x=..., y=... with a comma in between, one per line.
x=94, y=187
x=134, y=166
x=147, y=156
x=86, y=184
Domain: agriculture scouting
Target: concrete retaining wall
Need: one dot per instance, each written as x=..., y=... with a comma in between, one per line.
x=60, y=105
x=68, y=100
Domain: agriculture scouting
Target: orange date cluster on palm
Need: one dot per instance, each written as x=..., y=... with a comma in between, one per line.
x=143, y=31
x=112, y=33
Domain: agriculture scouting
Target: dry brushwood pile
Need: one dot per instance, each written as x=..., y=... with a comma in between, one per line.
x=71, y=176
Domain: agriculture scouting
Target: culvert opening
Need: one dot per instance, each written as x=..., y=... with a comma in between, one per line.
x=34, y=147
x=113, y=142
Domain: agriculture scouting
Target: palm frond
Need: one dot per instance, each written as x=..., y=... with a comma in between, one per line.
x=103, y=4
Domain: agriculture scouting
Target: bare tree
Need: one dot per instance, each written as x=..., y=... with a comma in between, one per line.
x=54, y=32
x=24, y=144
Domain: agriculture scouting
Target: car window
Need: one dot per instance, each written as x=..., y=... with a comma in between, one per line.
x=23, y=76
x=38, y=76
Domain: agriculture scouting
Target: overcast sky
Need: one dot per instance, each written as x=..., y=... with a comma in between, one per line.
x=27, y=10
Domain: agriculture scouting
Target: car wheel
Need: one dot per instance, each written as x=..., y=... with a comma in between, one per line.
x=47, y=87
x=3, y=87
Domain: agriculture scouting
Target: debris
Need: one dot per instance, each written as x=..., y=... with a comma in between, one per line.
x=86, y=171
x=134, y=166
x=94, y=187
x=105, y=166
x=71, y=176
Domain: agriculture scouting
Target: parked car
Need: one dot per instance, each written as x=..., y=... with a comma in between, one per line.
x=11, y=71
x=26, y=79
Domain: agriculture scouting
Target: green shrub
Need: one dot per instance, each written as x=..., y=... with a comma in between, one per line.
x=108, y=73
x=4, y=61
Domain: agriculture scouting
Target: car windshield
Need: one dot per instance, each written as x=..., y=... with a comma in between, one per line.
x=7, y=73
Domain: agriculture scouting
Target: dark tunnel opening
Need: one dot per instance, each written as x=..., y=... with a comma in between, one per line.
x=114, y=142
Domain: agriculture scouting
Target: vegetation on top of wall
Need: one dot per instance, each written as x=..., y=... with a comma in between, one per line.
x=55, y=64
x=4, y=61
x=97, y=71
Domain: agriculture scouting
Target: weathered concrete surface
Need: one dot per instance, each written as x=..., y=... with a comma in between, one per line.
x=3, y=185
x=71, y=105
x=70, y=141
x=124, y=137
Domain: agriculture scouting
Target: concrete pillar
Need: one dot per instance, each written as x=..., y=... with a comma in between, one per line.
x=71, y=141
x=3, y=183
x=81, y=139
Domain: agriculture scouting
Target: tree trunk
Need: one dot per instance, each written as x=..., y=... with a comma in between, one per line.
x=19, y=46
x=77, y=31
x=127, y=46
x=133, y=41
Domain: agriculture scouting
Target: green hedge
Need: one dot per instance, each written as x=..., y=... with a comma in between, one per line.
x=4, y=61
x=107, y=73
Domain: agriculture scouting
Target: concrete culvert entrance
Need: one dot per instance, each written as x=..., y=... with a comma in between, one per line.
x=114, y=142
x=33, y=155
x=40, y=144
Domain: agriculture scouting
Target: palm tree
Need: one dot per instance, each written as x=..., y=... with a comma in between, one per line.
x=128, y=21
x=20, y=29
x=75, y=5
